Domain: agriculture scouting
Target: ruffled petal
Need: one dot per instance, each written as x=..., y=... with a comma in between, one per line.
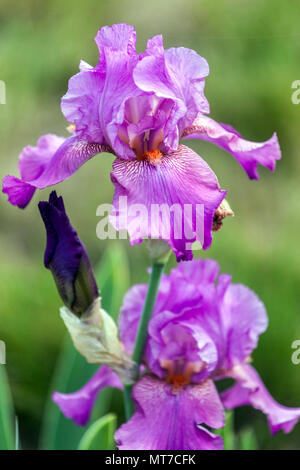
x=188, y=286
x=19, y=193
x=132, y=307
x=34, y=160
x=32, y=163
x=178, y=344
x=80, y=105
x=176, y=74
x=243, y=320
x=78, y=405
x=165, y=420
x=119, y=37
x=118, y=57
x=248, y=154
x=250, y=390
x=174, y=200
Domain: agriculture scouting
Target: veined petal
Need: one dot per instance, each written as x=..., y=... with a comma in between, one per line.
x=119, y=37
x=248, y=154
x=73, y=153
x=165, y=420
x=53, y=160
x=78, y=405
x=176, y=200
x=250, y=390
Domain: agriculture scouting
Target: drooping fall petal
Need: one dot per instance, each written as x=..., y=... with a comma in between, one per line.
x=248, y=154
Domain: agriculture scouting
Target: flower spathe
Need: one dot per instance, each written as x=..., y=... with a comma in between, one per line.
x=138, y=107
x=203, y=329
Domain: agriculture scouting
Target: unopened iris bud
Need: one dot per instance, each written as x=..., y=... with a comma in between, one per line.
x=223, y=211
x=66, y=257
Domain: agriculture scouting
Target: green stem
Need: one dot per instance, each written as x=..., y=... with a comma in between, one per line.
x=128, y=403
x=156, y=272
x=141, y=337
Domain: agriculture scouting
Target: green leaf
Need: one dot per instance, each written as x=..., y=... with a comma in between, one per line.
x=17, y=435
x=7, y=439
x=72, y=370
x=247, y=440
x=113, y=278
x=100, y=435
x=227, y=433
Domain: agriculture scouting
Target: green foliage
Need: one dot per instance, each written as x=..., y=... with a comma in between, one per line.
x=228, y=432
x=247, y=440
x=7, y=439
x=100, y=435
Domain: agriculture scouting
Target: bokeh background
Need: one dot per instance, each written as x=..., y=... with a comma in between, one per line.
x=253, y=49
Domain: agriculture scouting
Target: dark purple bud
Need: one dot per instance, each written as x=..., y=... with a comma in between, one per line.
x=66, y=257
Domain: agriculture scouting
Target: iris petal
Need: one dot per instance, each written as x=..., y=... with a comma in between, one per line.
x=78, y=405
x=165, y=420
x=177, y=199
x=250, y=390
x=248, y=154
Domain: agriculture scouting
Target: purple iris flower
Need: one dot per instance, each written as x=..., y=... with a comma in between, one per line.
x=204, y=328
x=66, y=257
x=139, y=107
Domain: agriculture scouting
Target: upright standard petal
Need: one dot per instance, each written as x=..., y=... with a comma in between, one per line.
x=248, y=154
x=188, y=286
x=80, y=105
x=179, y=347
x=119, y=37
x=166, y=419
x=118, y=57
x=176, y=74
x=250, y=390
x=174, y=200
x=78, y=405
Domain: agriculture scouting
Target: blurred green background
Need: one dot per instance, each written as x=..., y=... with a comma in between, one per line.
x=253, y=49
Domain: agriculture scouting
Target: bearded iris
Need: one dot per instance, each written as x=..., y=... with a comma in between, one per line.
x=139, y=107
x=204, y=329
